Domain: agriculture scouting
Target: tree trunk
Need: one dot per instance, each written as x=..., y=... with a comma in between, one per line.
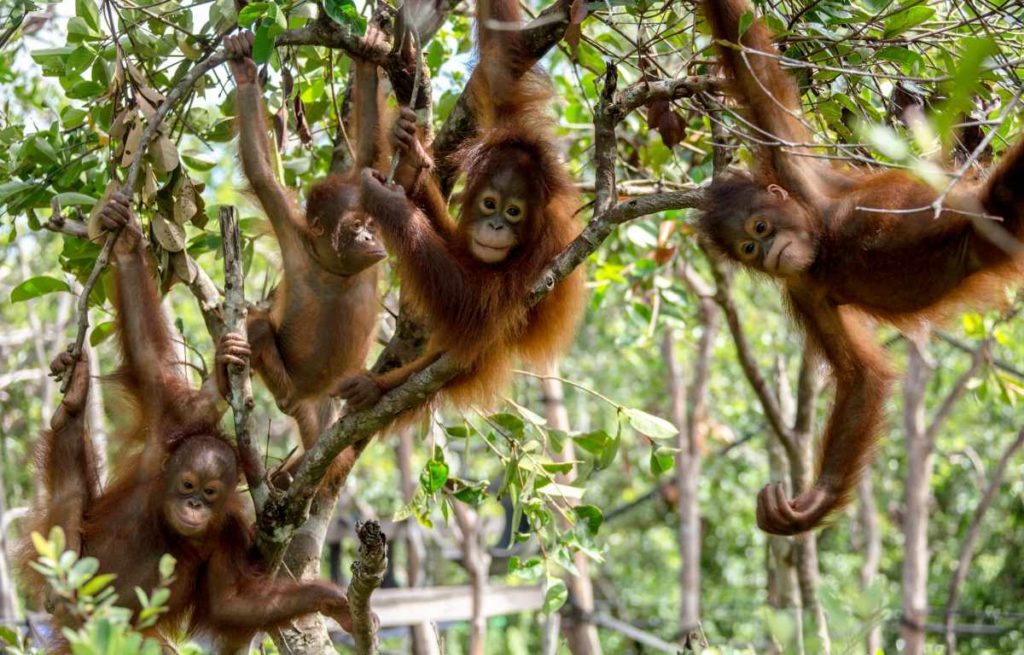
x=806, y=544
x=918, y=491
x=8, y=596
x=783, y=590
x=803, y=549
x=477, y=563
x=580, y=633
x=307, y=635
x=871, y=542
x=689, y=416
x=424, y=641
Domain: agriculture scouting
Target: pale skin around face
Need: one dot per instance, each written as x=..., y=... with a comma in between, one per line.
x=197, y=489
x=774, y=239
x=497, y=215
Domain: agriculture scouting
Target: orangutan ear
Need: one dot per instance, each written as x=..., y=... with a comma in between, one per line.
x=316, y=228
x=779, y=193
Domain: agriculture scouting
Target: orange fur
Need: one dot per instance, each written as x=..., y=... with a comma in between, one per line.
x=871, y=246
x=476, y=311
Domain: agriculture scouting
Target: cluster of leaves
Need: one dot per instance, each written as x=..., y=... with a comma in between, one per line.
x=83, y=597
x=528, y=450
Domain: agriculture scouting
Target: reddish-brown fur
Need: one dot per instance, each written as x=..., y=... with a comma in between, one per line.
x=324, y=314
x=218, y=587
x=476, y=310
x=869, y=258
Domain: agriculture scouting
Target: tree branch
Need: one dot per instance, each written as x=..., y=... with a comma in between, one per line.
x=643, y=93
x=285, y=512
x=367, y=574
x=769, y=404
x=241, y=400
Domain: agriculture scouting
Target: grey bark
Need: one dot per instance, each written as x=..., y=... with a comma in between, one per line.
x=918, y=495
x=424, y=641
x=477, y=562
x=8, y=595
x=579, y=631
x=871, y=543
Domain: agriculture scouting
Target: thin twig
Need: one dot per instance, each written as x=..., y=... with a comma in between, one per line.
x=973, y=532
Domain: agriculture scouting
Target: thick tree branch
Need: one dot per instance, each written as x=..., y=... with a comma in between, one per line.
x=285, y=512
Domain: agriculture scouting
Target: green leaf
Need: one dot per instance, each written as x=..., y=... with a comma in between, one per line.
x=160, y=597
x=561, y=491
x=652, y=426
x=511, y=424
x=555, y=595
x=86, y=567
x=472, y=495
x=590, y=516
x=907, y=19
x=458, y=431
x=974, y=325
x=746, y=20
x=529, y=570
x=89, y=12
x=252, y=13
x=38, y=286
x=101, y=333
x=8, y=189
x=434, y=475
x=43, y=547
x=263, y=43
x=558, y=467
x=592, y=442
x=198, y=162
x=167, y=564
x=73, y=198
x=898, y=55
x=344, y=12
x=96, y=584
x=529, y=416
x=9, y=637
x=661, y=461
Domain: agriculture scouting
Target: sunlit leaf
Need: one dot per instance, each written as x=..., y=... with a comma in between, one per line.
x=37, y=286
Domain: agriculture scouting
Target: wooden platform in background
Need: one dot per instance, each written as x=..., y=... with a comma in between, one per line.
x=410, y=606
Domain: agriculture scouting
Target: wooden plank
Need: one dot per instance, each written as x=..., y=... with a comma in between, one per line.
x=410, y=606
x=636, y=634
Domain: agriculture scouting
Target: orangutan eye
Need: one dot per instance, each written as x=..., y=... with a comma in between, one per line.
x=186, y=485
x=488, y=204
x=760, y=227
x=209, y=492
x=748, y=248
x=513, y=213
